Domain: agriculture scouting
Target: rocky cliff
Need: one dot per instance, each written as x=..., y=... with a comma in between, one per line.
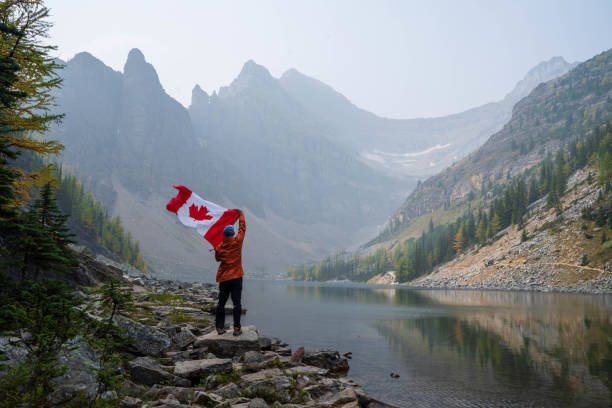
x=554, y=112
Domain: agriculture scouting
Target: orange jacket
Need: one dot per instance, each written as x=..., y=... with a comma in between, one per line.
x=229, y=253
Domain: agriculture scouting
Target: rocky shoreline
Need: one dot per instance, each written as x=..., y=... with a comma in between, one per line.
x=178, y=360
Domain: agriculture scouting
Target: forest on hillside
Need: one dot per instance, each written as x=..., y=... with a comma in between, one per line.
x=508, y=205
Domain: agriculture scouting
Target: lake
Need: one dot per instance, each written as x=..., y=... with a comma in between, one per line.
x=452, y=348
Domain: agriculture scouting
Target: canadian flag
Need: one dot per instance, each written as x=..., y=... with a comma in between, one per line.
x=207, y=218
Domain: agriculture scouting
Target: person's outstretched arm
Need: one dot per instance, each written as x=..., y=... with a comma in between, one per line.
x=241, y=226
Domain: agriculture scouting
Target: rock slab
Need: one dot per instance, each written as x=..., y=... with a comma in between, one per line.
x=227, y=345
x=147, y=340
x=194, y=369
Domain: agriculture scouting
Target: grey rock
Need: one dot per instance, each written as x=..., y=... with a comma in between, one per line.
x=183, y=394
x=254, y=360
x=109, y=395
x=230, y=390
x=146, y=370
x=261, y=375
x=80, y=377
x=128, y=387
x=280, y=386
x=307, y=370
x=234, y=402
x=207, y=398
x=329, y=359
x=147, y=340
x=257, y=403
x=130, y=402
x=194, y=369
x=183, y=338
x=347, y=398
x=12, y=352
x=265, y=343
x=227, y=345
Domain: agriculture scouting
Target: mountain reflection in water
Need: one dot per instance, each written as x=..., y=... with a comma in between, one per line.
x=452, y=347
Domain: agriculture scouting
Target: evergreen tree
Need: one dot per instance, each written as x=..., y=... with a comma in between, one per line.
x=495, y=225
x=23, y=42
x=53, y=222
x=459, y=241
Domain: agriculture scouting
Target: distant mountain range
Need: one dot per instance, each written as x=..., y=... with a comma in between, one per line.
x=420, y=147
x=555, y=112
x=312, y=171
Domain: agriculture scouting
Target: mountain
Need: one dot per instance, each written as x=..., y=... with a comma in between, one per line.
x=531, y=208
x=251, y=147
x=258, y=144
x=554, y=112
x=287, y=155
x=412, y=146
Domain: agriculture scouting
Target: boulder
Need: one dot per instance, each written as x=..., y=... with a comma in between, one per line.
x=183, y=394
x=307, y=370
x=183, y=338
x=130, y=402
x=323, y=387
x=279, y=386
x=12, y=351
x=128, y=387
x=147, y=340
x=230, y=390
x=228, y=345
x=329, y=359
x=261, y=375
x=194, y=369
x=146, y=370
x=257, y=403
x=234, y=402
x=80, y=377
x=169, y=402
x=207, y=398
x=255, y=360
x=347, y=398
x=265, y=343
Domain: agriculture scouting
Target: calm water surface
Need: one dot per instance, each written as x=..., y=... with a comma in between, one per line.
x=452, y=348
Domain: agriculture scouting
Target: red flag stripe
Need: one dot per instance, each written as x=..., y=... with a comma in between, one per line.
x=181, y=198
x=214, y=235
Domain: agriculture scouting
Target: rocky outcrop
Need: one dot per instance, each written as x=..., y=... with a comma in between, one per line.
x=228, y=345
x=328, y=359
x=550, y=258
x=387, y=278
x=195, y=369
x=192, y=374
x=147, y=340
x=148, y=371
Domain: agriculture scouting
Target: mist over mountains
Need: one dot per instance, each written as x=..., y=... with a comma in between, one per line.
x=312, y=171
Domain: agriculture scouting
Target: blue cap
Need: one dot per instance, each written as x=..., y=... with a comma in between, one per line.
x=228, y=231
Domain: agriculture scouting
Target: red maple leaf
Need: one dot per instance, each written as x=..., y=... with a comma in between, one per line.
x=199, y=214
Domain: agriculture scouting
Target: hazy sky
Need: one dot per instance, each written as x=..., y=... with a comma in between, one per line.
x=399, y=59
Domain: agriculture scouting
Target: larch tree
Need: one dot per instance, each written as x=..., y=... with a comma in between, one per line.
x=22, y=42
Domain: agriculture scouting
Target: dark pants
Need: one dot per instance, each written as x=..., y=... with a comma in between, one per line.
x=233, y=287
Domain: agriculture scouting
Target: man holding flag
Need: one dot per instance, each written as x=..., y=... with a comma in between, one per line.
x=215, y=224
x=230, y=273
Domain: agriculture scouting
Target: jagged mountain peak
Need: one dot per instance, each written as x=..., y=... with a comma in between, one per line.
x=84, y=56
x=543, y=72
x=198, y=95
x=252, y=69
x=138, y=71
x=253, y=79
x=136, y=56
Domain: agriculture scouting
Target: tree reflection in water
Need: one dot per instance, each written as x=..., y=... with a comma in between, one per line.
x=550, y=346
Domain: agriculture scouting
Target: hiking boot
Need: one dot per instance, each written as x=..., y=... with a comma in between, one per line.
x=220, y=331
x=237, y=331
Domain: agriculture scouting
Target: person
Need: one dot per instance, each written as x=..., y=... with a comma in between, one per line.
x=229, y=274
